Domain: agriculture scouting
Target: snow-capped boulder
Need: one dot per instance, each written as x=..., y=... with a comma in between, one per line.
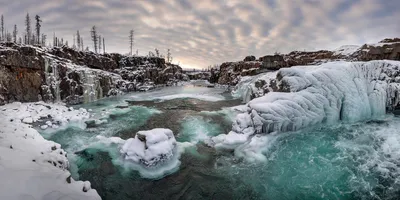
x=150, y=148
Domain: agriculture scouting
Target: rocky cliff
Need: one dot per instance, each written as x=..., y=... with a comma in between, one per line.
x=230, y=72
x=29, y=73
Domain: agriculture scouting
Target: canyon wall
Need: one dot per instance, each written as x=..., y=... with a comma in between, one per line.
x=29, y=73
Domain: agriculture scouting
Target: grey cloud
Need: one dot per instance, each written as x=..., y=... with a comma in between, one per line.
x=207, y=32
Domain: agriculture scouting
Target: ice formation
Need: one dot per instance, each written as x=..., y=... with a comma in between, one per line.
x=52, y=79
x=253, y=86
x=348, y=91
x=153, y=153
x=150, y=147
x=35, y=168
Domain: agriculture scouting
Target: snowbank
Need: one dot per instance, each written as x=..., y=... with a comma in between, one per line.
x=36, y=168
x=322, y=94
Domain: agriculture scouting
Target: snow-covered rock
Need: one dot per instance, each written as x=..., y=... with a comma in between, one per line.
x=150, y=148
x=346, y=50
x=154, y=153
x=326, y=93
x=33, y=167
x=250, y=87
x=386, y=49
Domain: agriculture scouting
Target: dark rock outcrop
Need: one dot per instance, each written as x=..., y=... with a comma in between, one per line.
x=89, y=59
x=229, y=71
x=273, y=62
x=380, y=51
x=249, y=58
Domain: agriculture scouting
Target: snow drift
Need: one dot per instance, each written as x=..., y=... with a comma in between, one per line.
x=326, y=93
x=32, y=167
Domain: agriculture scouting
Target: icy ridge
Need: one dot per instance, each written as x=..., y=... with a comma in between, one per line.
x=34, y=167
x=328, y=93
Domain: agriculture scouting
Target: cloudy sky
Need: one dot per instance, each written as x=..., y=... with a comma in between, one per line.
x=205, y=32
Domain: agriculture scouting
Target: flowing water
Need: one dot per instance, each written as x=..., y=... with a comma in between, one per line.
x=342, y=161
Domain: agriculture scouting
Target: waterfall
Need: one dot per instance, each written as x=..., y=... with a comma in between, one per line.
x=91, y=85
x=52, y=79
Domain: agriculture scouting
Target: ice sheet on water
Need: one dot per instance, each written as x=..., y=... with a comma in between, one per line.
x=186, y=91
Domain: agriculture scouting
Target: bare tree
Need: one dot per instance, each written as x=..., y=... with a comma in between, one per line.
x=44, y=38
x=99, y=43
x=104, y=46
x=38, y=25
x=78, y=40
x=15, y=32
x=94, y=38
x=28, y=29
x=169, y=57
x=82, y=43
x=73, y=42
x=8, y=36
x=157, y=52
x=33, y=39
x=131, y=38
x=2, y=28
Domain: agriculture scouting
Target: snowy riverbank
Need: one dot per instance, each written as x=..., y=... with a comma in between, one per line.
x=34, y=167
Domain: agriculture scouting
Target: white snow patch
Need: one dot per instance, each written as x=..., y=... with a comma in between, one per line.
x=34, y=167
x=346, y=50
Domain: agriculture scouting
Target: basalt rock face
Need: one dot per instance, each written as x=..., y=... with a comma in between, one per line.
x=144, y=70
x=199, y=75
x=230, y=72
x=273, y=62
x=30, y=73
x=20, y=68
x=380, y=51
x=89, y=59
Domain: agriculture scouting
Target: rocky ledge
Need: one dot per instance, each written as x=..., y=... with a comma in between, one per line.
x=34, y=73
x=230, y=72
